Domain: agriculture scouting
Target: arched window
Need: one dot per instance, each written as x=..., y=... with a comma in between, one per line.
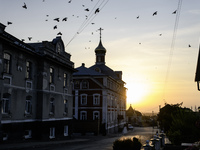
x=83, y=115
x=96, y=115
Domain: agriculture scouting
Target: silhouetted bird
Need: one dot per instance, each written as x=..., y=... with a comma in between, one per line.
x=47, y=15
x=64, y=19
x=29, y=38
x=56, y=19
x=174, y=12
x=24, y=6
x=87, y=9
x=8, y=23
x=55, y=27
x=96, y=11
x=160, y=34
x=70, y=1
x=23, y=40
x=137, y=17
x=189, y=45
x=92, y=23
x=83, y=5
x=155, y=13
x=59, y=33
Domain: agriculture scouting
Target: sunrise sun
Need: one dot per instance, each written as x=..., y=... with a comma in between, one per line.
x=136, y=91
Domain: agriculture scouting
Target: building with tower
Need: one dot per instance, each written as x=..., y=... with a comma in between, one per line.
x=99, y=97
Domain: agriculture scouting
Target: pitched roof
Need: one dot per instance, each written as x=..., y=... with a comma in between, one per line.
x=84, y=71
x=105, y=70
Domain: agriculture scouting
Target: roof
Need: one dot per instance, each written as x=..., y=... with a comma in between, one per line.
x=82, y=70
x=105, y=70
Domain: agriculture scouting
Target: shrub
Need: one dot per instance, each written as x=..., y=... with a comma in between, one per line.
x=127, y=144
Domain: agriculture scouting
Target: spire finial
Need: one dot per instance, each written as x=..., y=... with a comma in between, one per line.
x=100, y=31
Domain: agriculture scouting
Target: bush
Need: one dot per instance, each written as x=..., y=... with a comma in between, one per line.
x=127, y=144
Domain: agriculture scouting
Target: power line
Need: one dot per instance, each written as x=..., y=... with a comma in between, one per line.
x=172, y=46
x=89, y=19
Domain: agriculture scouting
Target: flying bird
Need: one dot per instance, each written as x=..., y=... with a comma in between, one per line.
x=92, y=23
x=64, y=19
x=70, y=1
x=87, y=9
x=24, y=6
x=55, y=27
x=56, y=19
x=155, y=13
x=96, y=11
x=174, y=12
x=189, y=45
x=138, y=17
x=160, y=34
x=8, y=23
x=59, y=33
x=29, y=38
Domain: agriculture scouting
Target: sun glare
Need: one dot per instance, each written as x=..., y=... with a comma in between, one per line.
x=136, y=91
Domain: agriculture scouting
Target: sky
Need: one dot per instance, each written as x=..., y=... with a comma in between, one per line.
x=152, y=51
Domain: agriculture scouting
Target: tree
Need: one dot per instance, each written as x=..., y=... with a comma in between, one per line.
x=180, y=124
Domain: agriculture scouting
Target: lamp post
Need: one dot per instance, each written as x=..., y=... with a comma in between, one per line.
x=197, y=77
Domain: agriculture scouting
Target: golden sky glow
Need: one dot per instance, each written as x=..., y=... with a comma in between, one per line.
x=134, y=46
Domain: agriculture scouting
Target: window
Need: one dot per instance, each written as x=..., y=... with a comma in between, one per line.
x=96, y=99
x=27, y=134
x=28, y=70
x=52, y=106
x=51, y=80
x=29, y=84
x=52, y=133
x=7, y=63
x=95, y=115
x=84, y=84
x=28, y=106
x=66, y=106
x=83, y=115
x=66, y=131
x=6, y=103
x=77, y=84
x=83, y=99
x=65, y=80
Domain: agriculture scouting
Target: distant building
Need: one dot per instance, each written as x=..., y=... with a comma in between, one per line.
x=99, y=97
x=134, y=117
x=35, y=89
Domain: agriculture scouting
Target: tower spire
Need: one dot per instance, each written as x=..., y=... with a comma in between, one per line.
x=100, y=51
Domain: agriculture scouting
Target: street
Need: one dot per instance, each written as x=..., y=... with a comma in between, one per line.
x=104, y=142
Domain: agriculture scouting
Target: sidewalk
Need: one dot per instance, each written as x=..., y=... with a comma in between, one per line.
x=37, y=144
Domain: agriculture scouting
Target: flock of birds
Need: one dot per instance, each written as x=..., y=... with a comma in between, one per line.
x=56, y=19
x=65, y=19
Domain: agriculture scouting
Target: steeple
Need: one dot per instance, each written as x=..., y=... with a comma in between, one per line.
x=100, y=51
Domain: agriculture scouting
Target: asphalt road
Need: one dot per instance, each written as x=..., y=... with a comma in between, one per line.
x=104, y=142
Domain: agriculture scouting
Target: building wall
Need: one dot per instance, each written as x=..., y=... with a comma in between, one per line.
x=38, y=123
